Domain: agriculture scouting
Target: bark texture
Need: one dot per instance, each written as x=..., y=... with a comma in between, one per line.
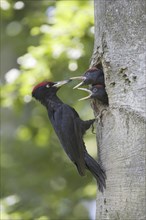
x=120, y=30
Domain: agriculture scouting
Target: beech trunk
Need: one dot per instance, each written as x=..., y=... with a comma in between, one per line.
x=120, y=30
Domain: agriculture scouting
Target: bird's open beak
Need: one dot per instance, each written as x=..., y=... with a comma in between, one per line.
x=61, y=83
x=80, y=78
x=87, y=97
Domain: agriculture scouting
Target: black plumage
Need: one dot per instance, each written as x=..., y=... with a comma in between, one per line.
x=95, y=78
x=92, y=76
x=96, y=92
x=69, y=129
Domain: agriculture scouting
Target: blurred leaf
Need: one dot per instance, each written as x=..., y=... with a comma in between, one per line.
x=50, y=40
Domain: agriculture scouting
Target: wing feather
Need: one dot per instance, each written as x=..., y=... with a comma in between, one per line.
x=68, y=128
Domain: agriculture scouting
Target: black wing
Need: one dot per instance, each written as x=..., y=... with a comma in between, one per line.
x=67, y=126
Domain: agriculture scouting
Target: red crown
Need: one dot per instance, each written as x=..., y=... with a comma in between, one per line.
x=40, y=84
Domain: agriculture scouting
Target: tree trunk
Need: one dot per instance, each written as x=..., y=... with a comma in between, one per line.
x=119, y=49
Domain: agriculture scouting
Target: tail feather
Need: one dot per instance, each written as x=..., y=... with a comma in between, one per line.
x=96, y=171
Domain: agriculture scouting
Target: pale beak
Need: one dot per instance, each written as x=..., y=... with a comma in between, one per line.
x=87, y=97
x=61, y=83
x=80, y=78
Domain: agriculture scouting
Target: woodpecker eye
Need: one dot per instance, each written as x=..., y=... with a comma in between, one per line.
x=94, y=90
x=47, y=86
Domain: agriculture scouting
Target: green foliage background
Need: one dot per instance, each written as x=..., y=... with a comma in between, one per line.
x=41, y=40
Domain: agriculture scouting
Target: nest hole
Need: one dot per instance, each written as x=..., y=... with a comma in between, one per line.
x=99, y=66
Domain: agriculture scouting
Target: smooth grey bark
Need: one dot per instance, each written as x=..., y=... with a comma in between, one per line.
x=120, y=30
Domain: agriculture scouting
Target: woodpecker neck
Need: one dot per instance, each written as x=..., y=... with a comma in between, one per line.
x=53, y=103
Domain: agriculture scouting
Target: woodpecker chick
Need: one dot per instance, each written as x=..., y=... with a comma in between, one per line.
x=69, y=129
x=92, y=76
x=96, y=92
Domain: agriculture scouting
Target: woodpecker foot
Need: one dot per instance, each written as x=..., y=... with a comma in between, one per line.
x=98, y=118
x=93, y=128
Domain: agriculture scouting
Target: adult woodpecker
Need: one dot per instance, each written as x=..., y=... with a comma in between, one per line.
x=92, y=76
x=96, y=92
x=69, y=129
